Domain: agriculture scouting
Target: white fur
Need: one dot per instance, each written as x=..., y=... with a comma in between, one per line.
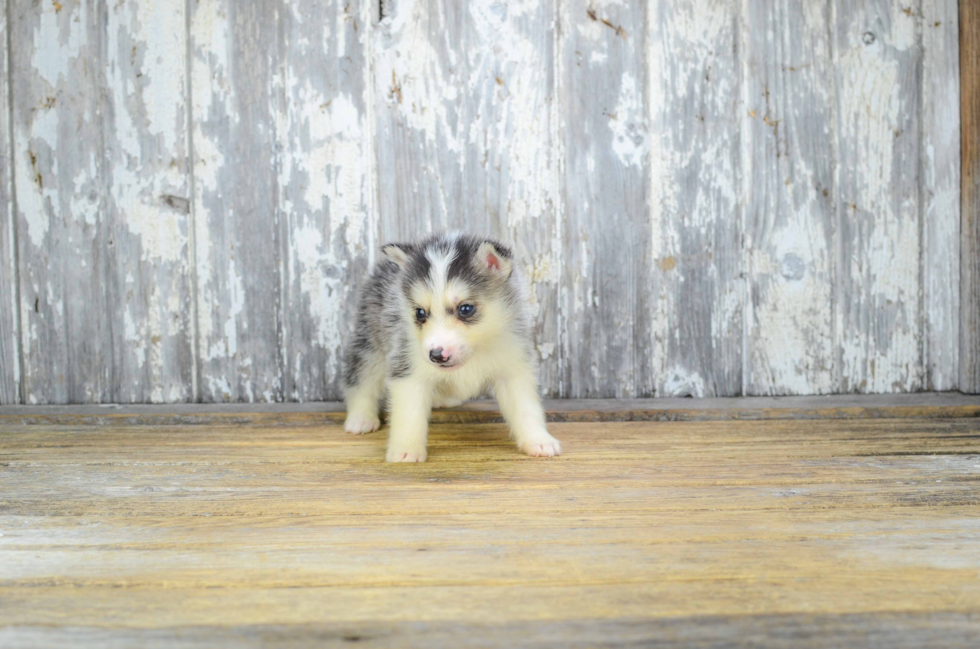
x=411, y=402
x=440, y=333
x=362, y=401
x=503, y=366
x=488, y=353
x=440, y=269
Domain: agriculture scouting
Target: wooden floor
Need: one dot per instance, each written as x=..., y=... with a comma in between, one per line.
x=289, y=533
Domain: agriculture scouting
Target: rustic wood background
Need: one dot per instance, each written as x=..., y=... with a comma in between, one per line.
x=711, y=197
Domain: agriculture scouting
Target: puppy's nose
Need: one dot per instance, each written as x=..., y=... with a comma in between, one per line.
x=435, y=355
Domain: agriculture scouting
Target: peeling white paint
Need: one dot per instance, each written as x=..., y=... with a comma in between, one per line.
x=516, y=129
x=133, y=337
x=31, y=199
x=12, y=343
x=53, y=64
x=161, y=231
x=314, y=265
x=545, y=350
x=878, y=358
x=680, y=382
x=209, y=82
x=663, y=203
x=786, y=148
x=513, y=125
x=236, y=304
x=628, y=124
x=212, y=90
x=940, y=124
x=149, y=111
x=159, y=27
x=405, y=75
x=543, y=276
x=36, y=172
x=694, y=198
x=219, y=387
x=325, y=168
x=334, y=161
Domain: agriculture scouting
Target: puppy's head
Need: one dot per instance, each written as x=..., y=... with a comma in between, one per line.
x=454, y=295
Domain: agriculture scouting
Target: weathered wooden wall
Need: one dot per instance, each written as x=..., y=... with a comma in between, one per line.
x=710, y=197
x=970, y=199
x=9, y=360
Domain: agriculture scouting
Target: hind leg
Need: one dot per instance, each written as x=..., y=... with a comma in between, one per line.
x=367, y=384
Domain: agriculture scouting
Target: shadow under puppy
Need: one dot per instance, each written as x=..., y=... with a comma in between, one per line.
x=439, y=322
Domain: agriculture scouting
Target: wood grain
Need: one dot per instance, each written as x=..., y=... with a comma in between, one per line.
x=670, y=534
x=606, y=228
x=9, y=326
x=512, y=154
x=879, y=248
x=939, y=209
x=325, y=180
x=786, y=631
x=238, y=236
x=420, y=76
x=787, y=173
x=64, y=232
x=697, y=330
x=148, y=271
x=724, y=198
x=969, y=14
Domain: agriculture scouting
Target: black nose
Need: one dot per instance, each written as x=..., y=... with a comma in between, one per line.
x=435, y=355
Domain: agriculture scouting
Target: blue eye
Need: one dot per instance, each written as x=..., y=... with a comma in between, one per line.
x=420, y=315
x=466, y=310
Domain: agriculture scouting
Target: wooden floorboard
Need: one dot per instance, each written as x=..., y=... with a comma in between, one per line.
x=770, y=533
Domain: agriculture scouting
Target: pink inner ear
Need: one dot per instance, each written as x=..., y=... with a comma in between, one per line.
x=492, y=261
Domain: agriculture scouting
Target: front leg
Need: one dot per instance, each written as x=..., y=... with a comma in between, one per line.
x=517, y=396
x=411, y=403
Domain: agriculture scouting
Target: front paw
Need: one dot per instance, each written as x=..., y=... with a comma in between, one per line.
x=540, y=444
x=357, y=424
x=404, y=454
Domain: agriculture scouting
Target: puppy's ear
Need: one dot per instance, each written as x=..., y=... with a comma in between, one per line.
x=494, y=259
x=398, y=253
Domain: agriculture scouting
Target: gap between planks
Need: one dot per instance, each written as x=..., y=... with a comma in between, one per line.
x=908, y=406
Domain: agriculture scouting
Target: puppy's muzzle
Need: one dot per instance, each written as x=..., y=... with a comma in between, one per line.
x=439, y=357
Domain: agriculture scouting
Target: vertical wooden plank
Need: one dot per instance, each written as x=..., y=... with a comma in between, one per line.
x=236, y=229
x=940, y=177
x=465, y=132
x=696, y=247
x=788, y=186
x=606, y=232
x=56, y=71
x=420, y=86
x=325, y=187
x=148, y=203
x=510, y=172
x=9, y=349
x=969, y=28
x=878, y=319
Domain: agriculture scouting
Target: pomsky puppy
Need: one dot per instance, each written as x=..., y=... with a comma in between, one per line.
x=439, y=322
